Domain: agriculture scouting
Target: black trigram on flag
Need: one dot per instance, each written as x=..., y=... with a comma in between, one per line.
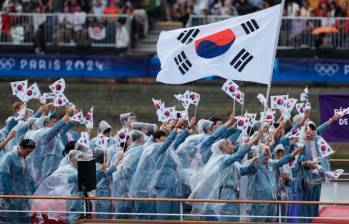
x=250, y=26
x=188, y=36
x=183, y=63
x=241, y=60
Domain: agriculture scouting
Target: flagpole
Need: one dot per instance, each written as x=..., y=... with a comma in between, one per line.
x=234, y=106
x=196, y=107
x=274, y=55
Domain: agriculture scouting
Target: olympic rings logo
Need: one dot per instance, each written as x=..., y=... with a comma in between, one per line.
x=324, y=69
x=7, y=63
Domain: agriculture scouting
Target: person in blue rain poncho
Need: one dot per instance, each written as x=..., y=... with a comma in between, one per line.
x=299, y=189
x=310, y=160
x=141, y=182
x=168, y=178
x=104, y=129
x=219, y=179
x=48, y=153
x=104, y=180
x=264, y=183
x=11, y=122
x=57, y=185
x=122, y=178
x=188, y=151
x=24, y=125
x=16, y=179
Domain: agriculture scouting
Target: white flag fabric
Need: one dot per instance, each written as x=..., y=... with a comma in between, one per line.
x=33, y=92
x=60, y=100
x=230, y=87
x=324, y=147
x=240, y=97
x=185, y=101
x=268, y=116
x=167, y=114
x=291, y=102
x=240, y=48
x=78, y=117
x=88, y=120
x=58, y=86
x=102, y=142
x=300, y=108
x=251, y=118
x=278, y=102
x=241, y=122
x=84, y=139
x=19, y=87
x=121, y=136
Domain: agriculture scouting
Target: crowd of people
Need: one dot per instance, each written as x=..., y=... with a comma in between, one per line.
x=181, y=10
x=208, y=159
x=71, y=22
x=85, y=21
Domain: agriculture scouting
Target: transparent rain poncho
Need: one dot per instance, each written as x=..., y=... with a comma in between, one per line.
x=217, y=180
x=140, y=185
x=168, y=174
x=147, y=166
x=189, y=154
x=57, y=184
x=126, y=168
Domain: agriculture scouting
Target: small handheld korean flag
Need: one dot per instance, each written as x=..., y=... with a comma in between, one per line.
x=324, y=147
x=168, y=113
x=88, y=120
x=194, y=97
x=242, y=122
x=102, y=142
x=78, y=117
x=185, y=101
x=33, y=92
x=291, y=102
x=58, y=86
x=268, y=116
x=84, y=140
x=60, y=100
x=121, y=136
x=278, y=102
x=158, y=104
x=240, y=97
x=300, y=108
x=19, y=87
x=251, y=118
x=295, y=133
x=230, y=87
x=335, y=174
x=239, y=48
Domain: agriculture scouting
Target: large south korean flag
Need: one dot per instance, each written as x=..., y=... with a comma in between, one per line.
x=240, y=48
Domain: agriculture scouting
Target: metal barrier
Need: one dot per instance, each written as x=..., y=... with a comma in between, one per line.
x=60, y=29
x=181, y=215
x=296, y=32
